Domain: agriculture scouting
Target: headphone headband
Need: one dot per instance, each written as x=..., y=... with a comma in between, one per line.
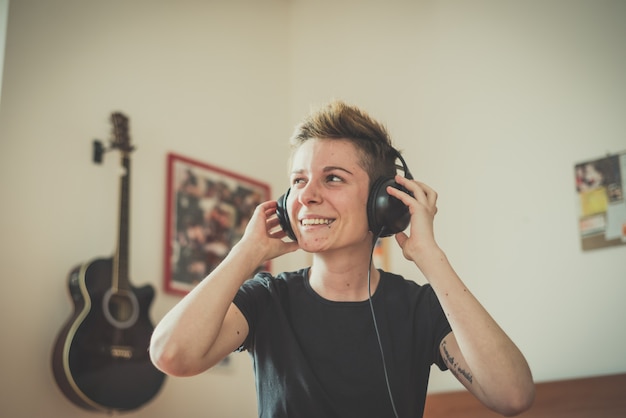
x=404, y=166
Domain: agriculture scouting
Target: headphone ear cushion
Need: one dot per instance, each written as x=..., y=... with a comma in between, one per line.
x=386, y=214
x=283, y=215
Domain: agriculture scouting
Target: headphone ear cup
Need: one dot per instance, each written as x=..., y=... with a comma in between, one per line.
x=386, y=214
x=283, y=215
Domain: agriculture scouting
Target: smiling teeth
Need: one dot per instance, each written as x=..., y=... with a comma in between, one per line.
x=316, y=221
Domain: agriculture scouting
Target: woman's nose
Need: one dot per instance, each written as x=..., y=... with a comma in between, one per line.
x=310, y=194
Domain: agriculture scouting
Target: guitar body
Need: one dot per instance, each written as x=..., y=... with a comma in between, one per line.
x=100, y=359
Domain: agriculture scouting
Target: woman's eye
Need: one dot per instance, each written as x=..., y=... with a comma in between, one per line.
x=297, y=181
x=333, y=178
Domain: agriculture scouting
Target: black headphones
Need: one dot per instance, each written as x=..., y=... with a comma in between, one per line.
x=386, y=215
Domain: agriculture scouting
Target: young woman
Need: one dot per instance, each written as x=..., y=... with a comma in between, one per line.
x=341, y=338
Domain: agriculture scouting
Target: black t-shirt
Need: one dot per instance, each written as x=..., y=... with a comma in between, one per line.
x=320, y=359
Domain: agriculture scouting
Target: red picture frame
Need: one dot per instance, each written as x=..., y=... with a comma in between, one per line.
x=207, y=210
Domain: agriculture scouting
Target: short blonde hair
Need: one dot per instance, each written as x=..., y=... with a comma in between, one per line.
x=338, y=120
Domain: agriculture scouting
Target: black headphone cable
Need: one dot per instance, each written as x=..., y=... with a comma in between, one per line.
x=380, y=345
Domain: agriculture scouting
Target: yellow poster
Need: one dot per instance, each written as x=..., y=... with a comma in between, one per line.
x=602, y=205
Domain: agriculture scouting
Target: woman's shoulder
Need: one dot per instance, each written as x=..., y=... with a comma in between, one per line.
x=398, y=283
x=281, y=280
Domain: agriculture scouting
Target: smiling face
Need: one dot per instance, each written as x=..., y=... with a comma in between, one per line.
x=328, y=196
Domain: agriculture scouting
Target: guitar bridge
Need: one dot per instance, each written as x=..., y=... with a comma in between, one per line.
x=123, y=352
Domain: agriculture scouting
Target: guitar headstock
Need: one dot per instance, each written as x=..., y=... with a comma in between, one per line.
x=121, y=138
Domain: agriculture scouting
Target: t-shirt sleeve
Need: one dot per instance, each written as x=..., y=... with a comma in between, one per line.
x=251, y=297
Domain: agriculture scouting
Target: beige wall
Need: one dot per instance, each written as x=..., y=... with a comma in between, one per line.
x=492, y=102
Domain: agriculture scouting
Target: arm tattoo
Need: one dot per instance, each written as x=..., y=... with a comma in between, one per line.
x=454, y=366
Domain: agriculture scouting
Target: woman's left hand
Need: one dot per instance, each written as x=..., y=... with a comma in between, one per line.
x=422, y=208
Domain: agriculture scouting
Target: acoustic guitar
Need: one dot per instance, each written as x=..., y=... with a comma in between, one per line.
x=100, y=359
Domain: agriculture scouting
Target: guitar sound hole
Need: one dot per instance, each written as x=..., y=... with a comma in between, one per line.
x=120, y=308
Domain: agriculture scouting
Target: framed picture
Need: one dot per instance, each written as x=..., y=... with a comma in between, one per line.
x=207, y=211
x=601, y=189
x=381, y=254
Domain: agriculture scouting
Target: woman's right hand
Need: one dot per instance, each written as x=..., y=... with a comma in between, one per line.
x=264, y=235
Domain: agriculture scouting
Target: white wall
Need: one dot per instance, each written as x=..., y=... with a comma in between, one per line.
x=492, y=102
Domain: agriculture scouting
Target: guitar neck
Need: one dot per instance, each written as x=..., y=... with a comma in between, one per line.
x=120, y=279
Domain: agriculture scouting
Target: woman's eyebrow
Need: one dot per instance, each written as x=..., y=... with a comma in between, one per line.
x=333, y=168
x=325, y=170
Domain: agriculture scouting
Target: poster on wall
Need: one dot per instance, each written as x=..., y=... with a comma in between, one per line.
x=600, y=188
x=207, y=210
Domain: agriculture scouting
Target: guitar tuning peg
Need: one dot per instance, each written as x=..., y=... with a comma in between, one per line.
x=98, y=151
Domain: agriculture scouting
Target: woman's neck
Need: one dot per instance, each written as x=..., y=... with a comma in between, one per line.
x=343, y=279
